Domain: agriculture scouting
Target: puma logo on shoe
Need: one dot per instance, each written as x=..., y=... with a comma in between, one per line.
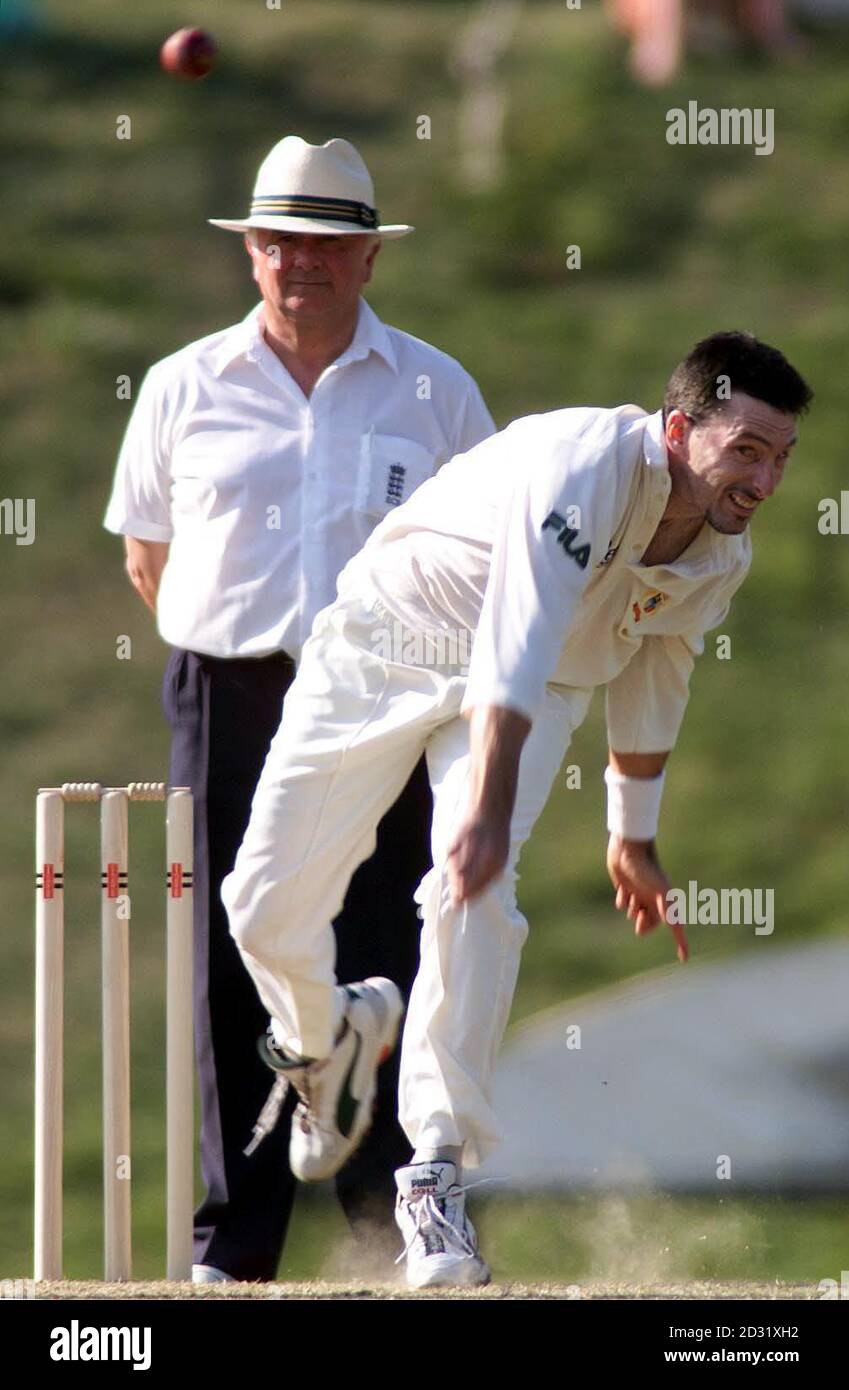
x=440, y=1243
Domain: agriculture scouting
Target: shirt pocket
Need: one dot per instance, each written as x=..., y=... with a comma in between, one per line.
x=391, y=468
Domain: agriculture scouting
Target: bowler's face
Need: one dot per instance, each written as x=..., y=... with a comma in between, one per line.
x=735, y=458
x=308, y=277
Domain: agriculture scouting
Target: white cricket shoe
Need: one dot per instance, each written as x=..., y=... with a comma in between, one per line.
x=211, y=1274
x=440, y=1244
x=337, y=1092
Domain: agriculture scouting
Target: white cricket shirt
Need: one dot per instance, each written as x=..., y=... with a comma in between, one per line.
x=263, y=493
x=532, y=541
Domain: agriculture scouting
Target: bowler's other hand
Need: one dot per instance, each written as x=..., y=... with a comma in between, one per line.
x=476, y=856
x=641, y=887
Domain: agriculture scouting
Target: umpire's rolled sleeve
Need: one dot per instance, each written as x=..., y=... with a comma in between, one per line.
x=140, y=504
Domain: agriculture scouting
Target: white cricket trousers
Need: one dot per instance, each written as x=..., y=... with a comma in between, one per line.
x=354, y=727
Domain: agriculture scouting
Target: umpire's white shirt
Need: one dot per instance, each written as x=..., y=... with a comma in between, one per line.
x=533, y=542
x=264, y=493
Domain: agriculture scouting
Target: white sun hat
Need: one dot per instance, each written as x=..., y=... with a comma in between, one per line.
x=322, y=189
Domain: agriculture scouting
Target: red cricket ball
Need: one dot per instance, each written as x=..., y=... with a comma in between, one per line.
x=190, y=53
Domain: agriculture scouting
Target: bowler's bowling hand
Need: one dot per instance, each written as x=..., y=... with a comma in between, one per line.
x=476, y=856
x=641, y=887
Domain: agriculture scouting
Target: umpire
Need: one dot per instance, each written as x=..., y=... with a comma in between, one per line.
x=255, y=464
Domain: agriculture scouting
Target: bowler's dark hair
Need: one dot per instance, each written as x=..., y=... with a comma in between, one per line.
x=736, y=362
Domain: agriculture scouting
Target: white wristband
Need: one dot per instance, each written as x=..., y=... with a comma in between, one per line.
x=633, y=804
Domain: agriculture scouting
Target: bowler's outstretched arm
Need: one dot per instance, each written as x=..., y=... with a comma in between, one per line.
x=480, y=848
x=633, y=865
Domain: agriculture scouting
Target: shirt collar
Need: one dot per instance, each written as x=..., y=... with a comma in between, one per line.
x=242, y=340
x=245, y=340
x=370, y=335
x=659, y=480
x=654, y=443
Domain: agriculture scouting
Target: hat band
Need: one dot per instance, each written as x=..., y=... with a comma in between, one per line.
x=302, y=205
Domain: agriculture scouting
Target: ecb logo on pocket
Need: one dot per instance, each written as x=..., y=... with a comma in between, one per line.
x=395, y=484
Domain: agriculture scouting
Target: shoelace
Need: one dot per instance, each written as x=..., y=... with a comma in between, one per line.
x=299, y=1077
x=429, y=1205
x=269, y=1115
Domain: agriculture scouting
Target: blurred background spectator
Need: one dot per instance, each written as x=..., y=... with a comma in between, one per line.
x=659, y=30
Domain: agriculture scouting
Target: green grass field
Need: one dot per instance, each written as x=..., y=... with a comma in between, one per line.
x=108, y=264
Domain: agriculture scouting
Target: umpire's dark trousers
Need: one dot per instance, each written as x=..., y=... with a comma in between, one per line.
x=223, y=715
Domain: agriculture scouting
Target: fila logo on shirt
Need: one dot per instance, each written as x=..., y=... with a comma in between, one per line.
x=566, y=536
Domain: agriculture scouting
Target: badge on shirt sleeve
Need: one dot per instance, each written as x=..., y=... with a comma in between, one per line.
x=391, y=468
x=649, y=605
